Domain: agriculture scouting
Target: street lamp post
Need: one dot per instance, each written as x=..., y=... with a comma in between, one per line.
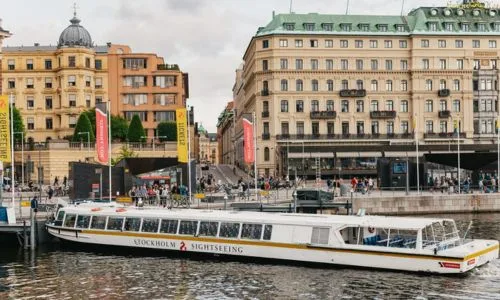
x=22, y=157
x=88, y=142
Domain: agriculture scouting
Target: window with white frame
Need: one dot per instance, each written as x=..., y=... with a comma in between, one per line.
x=374, y=85
x=299, y=43
x=30, y=83
x=374, y=64
x=284, y=85
x=360, y=106
x=283, y=43
x=387, y=44
x=428, y=85
x=299, y=64
x=492, y=43
x=460, y=64
x=329, y=64
x=359, y=64
x=389, y=105
x=388, y=64
x=403, y=85
x=388, y=85
x=314, y=85
x=390, y=127
x=329, y=85
x=358, y=43
x=283, y=63
x=404, y=106
x=72, y=100
x=442, y=43
x=359, y=84
x=374, y=105
x=459, y=43
x=442, y=84
x=299, y=85
x=344, y=43
x=403, y=44
x=404, y=127
x=476, y=43
x=443, y=126
x=456, y=84
x=373, y=44
x=345, y=84
x=98, y=82
x=424, y=43
x=442, y=105
x=30, y=102
x=403, y=64
x=428, y=105
x=344, y=64
x=71, y=80
x=456, y=105
x=328, y=43
x=135, y=99
x=314, y=64
x=429, y=126
x=442, y=64
x=30, y=121
x=425, y=64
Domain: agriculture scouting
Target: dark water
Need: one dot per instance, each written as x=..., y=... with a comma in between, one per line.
x=54, y=273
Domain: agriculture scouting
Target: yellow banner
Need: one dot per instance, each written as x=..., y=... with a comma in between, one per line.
x=4, y=129
x=182, y=135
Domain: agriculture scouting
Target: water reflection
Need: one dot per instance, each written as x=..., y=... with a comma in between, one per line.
x=60, y=273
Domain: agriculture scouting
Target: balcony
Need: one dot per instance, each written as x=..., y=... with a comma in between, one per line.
x=173, y=67
x=264, y=93
x=443, y=135
x=383, y=114
x=352, y=136
x=265, y=114
x=266, y=136
x=444, y=114
x=352, y=93
x=323, y=114
x=444, y=93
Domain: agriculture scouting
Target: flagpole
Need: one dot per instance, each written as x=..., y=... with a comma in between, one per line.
x=108, y=111
x=458, y=146
x=255, y=152
x=189, y=154
x=418, y=162
x=498, y=152
x=12, y=165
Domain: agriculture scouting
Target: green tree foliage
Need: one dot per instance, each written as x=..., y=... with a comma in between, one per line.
x=125, y=152
x=83, y=125
x=135, y=130
x=168, y=130
x=119, y=128
x=91, y=115
x=18, y=126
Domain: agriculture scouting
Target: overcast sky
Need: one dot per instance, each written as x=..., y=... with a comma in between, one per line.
x=207, y=38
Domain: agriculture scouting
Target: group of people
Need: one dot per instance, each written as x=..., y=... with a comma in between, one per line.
x=450, y=185
x=157, y=193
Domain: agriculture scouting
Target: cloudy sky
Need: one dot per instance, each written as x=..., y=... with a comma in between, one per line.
x=207, y=38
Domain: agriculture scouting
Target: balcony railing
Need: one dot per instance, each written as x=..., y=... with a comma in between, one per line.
x=383, y=114
x=442, y=135
x=266, y=136
x=265, y=114
x=352, y=136
x=444, y=114
x=323, y=114
x=352, y=93
x=264, y=93
x=443, y=93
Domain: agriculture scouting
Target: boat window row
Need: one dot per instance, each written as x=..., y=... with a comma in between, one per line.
x=250, y=231
x=381, y=237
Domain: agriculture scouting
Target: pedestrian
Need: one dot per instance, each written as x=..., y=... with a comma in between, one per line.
x=34, y=204
x=50, y=192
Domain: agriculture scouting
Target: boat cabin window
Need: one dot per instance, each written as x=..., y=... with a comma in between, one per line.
x=444, y=234
x=70, y=220
x=82, y=222
x=98, y=222
x=268, y=230
x=150, y=225
x=251, y=231
x=188, y=227
x=208, y=228
x=169, y=226
x=320, y=235
x=229, y=230
x=115, y=223
x=132, y=224
x=60, y=215
x=385, y=237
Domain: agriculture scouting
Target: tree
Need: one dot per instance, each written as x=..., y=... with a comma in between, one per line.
x=135, y=130
x=119, y=128
x=18, y=125
x=83, y=125
x=125, y=152
x=168, y=130
x=91, y=115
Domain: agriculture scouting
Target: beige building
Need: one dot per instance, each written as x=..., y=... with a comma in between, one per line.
x=52, y=85
x=225, y=132
x=335, y=92
x=208, y=146
x=3, y=34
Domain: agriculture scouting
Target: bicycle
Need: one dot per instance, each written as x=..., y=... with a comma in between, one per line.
x=180, y=200
x=244, y=196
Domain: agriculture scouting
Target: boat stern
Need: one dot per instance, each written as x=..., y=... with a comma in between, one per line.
x=478, y=253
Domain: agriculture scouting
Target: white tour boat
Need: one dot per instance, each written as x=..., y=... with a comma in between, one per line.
x=397, y=243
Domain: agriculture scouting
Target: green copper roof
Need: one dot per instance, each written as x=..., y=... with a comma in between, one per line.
x=418, y=21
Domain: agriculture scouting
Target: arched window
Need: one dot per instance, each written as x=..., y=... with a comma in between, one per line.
x=284, y=105
x=374, y=85
x=329, y=85
x=374, y=105
x=345, y=84
x=359, y=84
x=284, y=85
x=266, y=154
x=388, y=85
x=456, y=85
x=428, y=105
x=428, y=85
x=265, y=85
x=314, y=85
x=442, y=84
x=299, y=85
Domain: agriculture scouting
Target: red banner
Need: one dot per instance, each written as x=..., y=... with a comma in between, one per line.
x=248, y=141
x=101, y=126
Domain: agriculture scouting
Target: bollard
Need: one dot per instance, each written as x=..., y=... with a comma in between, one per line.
x=32, y=229
x=25, y=235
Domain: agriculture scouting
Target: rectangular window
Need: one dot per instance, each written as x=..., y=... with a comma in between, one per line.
x=48, y=123
x=358, y=43
x=403, y=44
x=345, y=27
x=284, y=43
x=320, y=236
x=284, y=128
x=314, y=64
x=442, y=64
x=229, y=230
x=374, y=64
x=404, y=85
x=476, y=43
x=88, y=101
x=160, y=116
x=459, y=43
x=404, y=65
x=265, y=44
x=387, y=44
x=135, y=99
x=300, y=128
x=30, y=83
x=424, y=43
x=70, y=220
x=71, y=61
x=188, y=227
x=330, y=128
x=208, y=228
x=328, y=27
x=329, y=64
x=72, y=121
x=48, y=64
x=98, y=82
x=265, y=65
x=465, y=27
x=71, y=80
x=29, y=64
x=30, y=102
x=481, y=27
x=328, y=43
x=163, y=99
x=11, y=83
x=433, y=26
x=88, y=81
x=289, y=26
x=31, y=123
x=345, y=128
x=313, y=43
x=359, y=64
x=382, y=28
x=169, y=226
x=390, y=127
x=373, y=44
x=425, y=64
x=388, y=65
x=492, y=43
x=48, y=82
x=460, y=64
x=315, y=128
x=11, y=64
x=442, y=43
x=299, y=43
x=299, y=64
x=72, y=100
x=344, y=64
x=429, y=127
x=404, y=106
x=283, y=63
x=150, y=225
x=360, y=106
x=162, y=81
x=132, y=224
x=83, y=222
x=87, y=62
x=299, y=106
x=404, y=127
x=309, y=26
x=364, y=27
x=344, y=43
x=98, y=64
x=345, y=106
x=448, y=26
x=48, y=102
x=251, y=231
x=134, y=81
x=134, y=63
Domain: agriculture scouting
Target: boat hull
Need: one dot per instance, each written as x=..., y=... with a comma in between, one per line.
x=269, y=251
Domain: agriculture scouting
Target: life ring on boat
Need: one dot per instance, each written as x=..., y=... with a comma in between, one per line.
x=121, y=210
x=96, y=209
x=371, y=229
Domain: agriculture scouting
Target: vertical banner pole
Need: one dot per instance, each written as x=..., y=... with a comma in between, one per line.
x=458, y=145
x=108, y=110
x=255, y=151
x=418, y=156
x=12, y=180
x=189, y=153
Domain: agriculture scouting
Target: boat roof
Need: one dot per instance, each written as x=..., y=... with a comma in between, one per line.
x=403, y=223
